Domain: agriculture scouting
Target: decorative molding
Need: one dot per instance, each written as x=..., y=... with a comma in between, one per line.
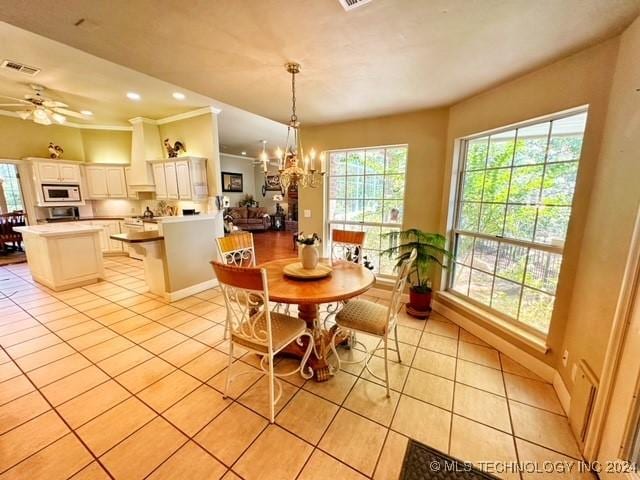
x=192, y=290
x=191, y=114
x=562, y=392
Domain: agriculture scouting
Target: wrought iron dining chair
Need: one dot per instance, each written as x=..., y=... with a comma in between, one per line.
x=374, y=319
x=237, y=249
x=255, y=328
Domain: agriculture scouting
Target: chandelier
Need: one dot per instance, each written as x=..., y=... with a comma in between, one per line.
x=296, y=168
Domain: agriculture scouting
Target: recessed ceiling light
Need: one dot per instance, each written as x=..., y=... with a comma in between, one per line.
x=243, y=153
x=133, y=96
x=179, y=95
x=87, y=113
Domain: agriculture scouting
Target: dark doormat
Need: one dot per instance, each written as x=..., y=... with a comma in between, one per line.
x=423, y=462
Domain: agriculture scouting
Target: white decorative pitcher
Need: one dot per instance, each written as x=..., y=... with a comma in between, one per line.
x=309, y=257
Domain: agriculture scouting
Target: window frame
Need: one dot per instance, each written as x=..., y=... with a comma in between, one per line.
x=460, y=162
x=328, y=222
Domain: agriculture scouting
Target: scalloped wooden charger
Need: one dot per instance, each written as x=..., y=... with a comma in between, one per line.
x=295, y=270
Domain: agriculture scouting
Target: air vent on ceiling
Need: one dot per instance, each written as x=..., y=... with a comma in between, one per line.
x=352, y=4
x=19, y=67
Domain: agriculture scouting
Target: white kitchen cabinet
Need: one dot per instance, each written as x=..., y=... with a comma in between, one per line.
x=109, y=227
x=172, y=180
x=69, y=173
x=105, y=181
x=151, y=227
x=184, y=180
x=57, y=172
x=160, y=180
x=131, y=193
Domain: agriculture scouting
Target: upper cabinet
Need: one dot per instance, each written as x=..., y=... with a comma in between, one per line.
x=105, y=181
x=57, y=172
x=184, y=178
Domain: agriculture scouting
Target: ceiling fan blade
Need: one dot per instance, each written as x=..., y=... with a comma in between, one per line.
x=24, y=114
x=53, y=104
x=69, y=113
x=22, y=101
x=11, y=104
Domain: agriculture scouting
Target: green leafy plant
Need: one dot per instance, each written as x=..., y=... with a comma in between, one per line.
x=430, y=250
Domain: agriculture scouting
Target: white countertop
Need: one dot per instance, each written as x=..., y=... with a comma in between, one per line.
x=57, y=229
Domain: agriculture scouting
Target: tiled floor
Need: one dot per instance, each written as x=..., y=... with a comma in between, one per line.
x=110, y=381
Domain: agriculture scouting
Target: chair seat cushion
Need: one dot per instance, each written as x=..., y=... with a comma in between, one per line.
x=363, y=315
x=284, y=329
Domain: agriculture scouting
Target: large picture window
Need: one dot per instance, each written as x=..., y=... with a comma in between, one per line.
x=514, y=198
x=366, y=193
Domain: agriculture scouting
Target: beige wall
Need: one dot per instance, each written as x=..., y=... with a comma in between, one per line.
x=106, y=146
x=243, y=165
x=612, y=211
x=424, y=132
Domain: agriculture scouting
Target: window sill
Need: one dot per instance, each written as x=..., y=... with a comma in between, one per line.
x=476, y=313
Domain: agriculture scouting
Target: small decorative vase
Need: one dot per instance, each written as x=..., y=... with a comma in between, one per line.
x=309, y=257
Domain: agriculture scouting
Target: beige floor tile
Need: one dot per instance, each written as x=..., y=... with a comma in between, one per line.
x=176, y=319
x=161, y=312
x=212, y=336
x=511, y=366
x=93, y=338
x=284, y=365
x=163, y=342
x=335, y=389
x=276, y=455
x=195, y=326
x=190, y=462
x=30, y=437
x=321, y=467
x=532, y=392
x=398, y=373
x=392, y=456
x=146, y=306
x=124, y=360
x=307, y=415
x=59, y=460
x=469, y=338
x=544, y=428
x=409, y=335
x=438, y=327
x=143, y=375
x=408, y=321
x=56, y=370
x=184, y=352
x=106, y=430
x=139, y=454
x=218, y=315
x=115, y=317
x=21, y=410
x=423, y=422
x=31, y=346
x=107, y=349
x=430, y=388
x=478, y=354
x=67, y=321
x=406, y=352
x=92, y=304
x=56, y=315
x=130, y=324
x=81, y=409
x=257, y=396
x=9, y=370
x=485, y=447
x=23, y=336
x=482, y=406
x=231, y=432
x=14, y=388
x=207, y=365
x=439, y=344
x=79, y=329
x=231, y=476
x=91, y=472
x=361, y=454
x=530, y=454
x=145, y=332
x=243, y=376
x=370, y=400
x=203, y=308
x=196, y=410
x=479, y=376
x=435, y=363
x=74, y=384
x=103, y=310
x=167, y=391
x=16, y=326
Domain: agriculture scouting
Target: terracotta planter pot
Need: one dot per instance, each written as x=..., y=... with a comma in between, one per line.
x=419, y=304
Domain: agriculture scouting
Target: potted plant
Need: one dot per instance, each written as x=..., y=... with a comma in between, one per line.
x=431, y=251
x=309, y=250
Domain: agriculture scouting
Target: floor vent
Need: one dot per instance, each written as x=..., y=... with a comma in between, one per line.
x=353, y=4
x=19, y=67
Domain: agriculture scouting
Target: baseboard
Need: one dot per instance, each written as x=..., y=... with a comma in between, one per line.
x=523, y=358
x=562, y=392
x=385, y=294
x=192, y=290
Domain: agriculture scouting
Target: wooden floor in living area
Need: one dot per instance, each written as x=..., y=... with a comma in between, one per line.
x=273, y=245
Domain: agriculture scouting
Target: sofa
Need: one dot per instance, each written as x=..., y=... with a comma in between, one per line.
x=248, y=218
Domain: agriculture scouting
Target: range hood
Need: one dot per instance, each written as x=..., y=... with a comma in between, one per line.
x=145, y=145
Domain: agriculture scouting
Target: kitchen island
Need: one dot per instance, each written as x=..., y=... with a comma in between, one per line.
x=176, y=257
x=62, y=255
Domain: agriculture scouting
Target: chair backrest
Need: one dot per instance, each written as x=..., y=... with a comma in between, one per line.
x=347, y=245
x=398, y=289
x=246, y=295
x=237, y=249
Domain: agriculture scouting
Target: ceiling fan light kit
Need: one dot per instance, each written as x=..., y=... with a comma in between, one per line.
x=42, y=110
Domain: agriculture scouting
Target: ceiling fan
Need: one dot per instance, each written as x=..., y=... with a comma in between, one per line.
x=45, y=111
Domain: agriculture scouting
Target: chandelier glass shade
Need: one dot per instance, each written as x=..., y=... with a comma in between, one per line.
x=297, y=169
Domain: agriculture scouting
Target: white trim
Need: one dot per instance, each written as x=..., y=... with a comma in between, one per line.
x=562, y=392
x=540, y=368
x=190, y=114
x=192, y=290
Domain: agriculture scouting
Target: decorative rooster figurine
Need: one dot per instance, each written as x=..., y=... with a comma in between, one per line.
x=177, y=147
x=55, y=151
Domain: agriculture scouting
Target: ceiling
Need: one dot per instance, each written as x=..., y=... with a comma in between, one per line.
x=385, y=57
x=86, y=82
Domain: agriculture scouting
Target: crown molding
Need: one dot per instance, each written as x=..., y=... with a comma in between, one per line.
x=180, y=116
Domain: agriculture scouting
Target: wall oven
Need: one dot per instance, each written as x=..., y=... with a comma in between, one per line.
x=60, y=193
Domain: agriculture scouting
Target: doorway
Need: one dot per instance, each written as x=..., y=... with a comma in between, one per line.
x=11, y=198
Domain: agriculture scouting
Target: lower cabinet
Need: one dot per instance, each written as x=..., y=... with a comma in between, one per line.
x=109, y=227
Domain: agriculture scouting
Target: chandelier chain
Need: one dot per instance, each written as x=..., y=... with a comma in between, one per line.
x=294, y=117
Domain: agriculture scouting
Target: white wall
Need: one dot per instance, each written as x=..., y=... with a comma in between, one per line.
x=235, y=164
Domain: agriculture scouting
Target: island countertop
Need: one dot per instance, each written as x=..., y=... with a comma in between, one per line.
x=57, y=229
x=138, y=237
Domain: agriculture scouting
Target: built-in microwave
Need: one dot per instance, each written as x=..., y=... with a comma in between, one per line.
x=52, y=193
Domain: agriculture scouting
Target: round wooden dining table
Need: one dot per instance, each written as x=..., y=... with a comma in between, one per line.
x=347, y=280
